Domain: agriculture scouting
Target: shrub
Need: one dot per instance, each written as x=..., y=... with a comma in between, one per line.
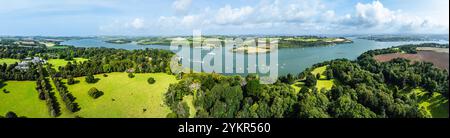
x=11, y=115
x=151, y=80
x=90, y=79
x=130, y=75
x=70, y=80
x=94, y=93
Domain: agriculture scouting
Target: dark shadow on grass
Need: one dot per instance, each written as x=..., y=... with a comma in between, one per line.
x=95, y=81
x=2, y=84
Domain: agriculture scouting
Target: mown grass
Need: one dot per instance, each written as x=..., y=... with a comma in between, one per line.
x=123, y=97
x=22, y=99
x=322, y=82
x=61, y=62
x=8, y=61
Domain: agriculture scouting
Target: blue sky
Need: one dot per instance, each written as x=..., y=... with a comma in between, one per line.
x=181, y=17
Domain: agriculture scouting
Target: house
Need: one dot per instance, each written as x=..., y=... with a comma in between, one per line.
x=24, y=65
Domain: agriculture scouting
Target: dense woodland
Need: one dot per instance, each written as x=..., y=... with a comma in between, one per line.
x=364, y=88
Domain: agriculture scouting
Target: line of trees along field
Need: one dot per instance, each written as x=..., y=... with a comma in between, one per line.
x=44, y=88
x=363, y=88
x=66, y=96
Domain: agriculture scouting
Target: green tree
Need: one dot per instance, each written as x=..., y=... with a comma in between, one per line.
x=151, y=80
x=94, y=93
x=310, y=81
x=90, y=79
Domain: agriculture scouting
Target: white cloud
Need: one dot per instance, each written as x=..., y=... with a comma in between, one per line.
x=228, y=15
x=292, y=16
x=137, y=23
x=181, y=6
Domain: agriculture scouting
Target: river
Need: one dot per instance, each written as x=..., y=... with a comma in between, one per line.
x=290, y=60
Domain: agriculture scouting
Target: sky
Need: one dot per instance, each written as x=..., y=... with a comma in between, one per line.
x=220, y=17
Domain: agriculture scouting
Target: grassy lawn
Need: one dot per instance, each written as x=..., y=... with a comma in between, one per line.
x=61, y=62
x=123, y=97
x=320, y=70
x=322, y=83
x=22, y=99
x=8, y=61
x=436, y=105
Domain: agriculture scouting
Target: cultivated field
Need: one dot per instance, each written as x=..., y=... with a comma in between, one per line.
x=439, y=59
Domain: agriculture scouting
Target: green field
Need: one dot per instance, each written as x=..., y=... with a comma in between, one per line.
x=8, y=61
x=436, y=104
x=322, y=83
x=131, y=96
x=61, y=62
x=123, y=97
x=22, y=99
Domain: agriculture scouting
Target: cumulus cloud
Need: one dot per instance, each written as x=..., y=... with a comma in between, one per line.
x=291, y=16
x=181, y=6
x=228, y=15
x=137, y=23
x=376, y=17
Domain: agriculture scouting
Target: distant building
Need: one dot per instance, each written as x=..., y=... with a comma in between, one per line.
x=24, y=65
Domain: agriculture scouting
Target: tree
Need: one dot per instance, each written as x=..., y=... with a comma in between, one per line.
x=253, y=88
x=130, y=75
x=329, y=74
x=151, y=80
x=310, y=81
x=318, y=76
x=90, y=78
x=11, y=115
x=94, y=93
x=70, y=80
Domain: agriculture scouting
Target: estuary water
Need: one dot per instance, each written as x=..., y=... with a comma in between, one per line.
x=290, y=60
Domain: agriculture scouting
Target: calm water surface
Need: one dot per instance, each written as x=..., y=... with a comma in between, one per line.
x=290, y=60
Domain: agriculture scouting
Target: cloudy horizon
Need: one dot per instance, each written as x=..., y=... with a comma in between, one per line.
x=234, y=17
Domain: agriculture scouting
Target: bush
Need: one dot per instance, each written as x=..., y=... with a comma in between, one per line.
x=90, y=79
x=70, y=80
x=94, y=93
x=310, y=80
x=130, y=75
x=151, y=80
x=11, y=115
